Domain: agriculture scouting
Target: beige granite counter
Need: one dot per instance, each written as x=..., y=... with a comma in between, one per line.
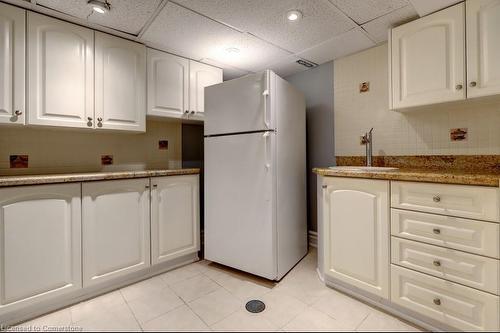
x=91, y=176
x=463, y=177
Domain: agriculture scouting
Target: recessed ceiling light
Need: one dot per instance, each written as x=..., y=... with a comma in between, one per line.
x=294, y=15
x=233, y=50
x=100, y=7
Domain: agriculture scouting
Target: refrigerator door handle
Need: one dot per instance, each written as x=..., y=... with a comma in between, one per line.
x=266, y=153
x=266, y=121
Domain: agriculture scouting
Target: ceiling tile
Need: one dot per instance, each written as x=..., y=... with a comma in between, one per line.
x=128, y=16
x=425, y=7
x=286, y=66
x=350, y=42
x=266, y=19
x=378, y=28
x=363, y=11
x=189, y=34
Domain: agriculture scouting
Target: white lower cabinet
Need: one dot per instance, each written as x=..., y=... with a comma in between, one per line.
x=452, y=304
x=115, y=229
x=356, y=233
x=174, y=217
x=40, y=247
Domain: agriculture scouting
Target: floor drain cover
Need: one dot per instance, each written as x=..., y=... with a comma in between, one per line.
x=255, y=306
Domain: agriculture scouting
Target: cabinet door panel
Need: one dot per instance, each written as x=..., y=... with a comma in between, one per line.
x=115, y=229
x=12, y=64
x=175, y=217
x=40, y=243
x=483, y=48
x=60, y=73
x=356, y=229
x=201, y=76
x=168, y=84
x=428, y=59
x=120, y=84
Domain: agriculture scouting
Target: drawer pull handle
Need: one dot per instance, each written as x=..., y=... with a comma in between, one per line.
x=436, y=198
x=436, y=263
x=437, y=301
x=436, y=231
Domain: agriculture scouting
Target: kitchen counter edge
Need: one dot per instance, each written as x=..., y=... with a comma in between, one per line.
x=428, y=176
x=6, y=181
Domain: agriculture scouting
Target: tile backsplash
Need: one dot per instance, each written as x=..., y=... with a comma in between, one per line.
x=419, y=132
x=66, y=150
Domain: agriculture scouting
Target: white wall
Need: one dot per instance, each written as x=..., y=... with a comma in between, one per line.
x=70, y=150
x=422, y=132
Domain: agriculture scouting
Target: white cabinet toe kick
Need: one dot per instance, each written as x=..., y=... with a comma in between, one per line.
x=64, y=243
x=429, y=253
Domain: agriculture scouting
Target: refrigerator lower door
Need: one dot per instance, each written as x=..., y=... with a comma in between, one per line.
x=240, y=228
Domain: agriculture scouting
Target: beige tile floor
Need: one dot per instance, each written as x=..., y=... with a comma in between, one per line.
x=204, y=296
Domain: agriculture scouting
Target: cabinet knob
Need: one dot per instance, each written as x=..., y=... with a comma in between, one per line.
x=323, y=186
x=18, y=113
x=186, y=112
x=193, y=112
x=99, y=119
x=436, y=231
x=155, y=185
x=436, y=198
x=89, y=118
x=473, y=84
x=459, y=87
x=437, y=301
x=436, y=263
x=147, y=186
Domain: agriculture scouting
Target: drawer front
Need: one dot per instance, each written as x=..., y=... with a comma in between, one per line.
x=452, y=232
x=474, y=202
x=452, y=304
x=468, y=269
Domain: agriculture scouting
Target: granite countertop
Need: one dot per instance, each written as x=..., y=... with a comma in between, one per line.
x=463, y=177
x=90, y=176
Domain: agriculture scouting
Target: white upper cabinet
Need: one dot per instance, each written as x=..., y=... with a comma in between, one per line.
x=175, y=211
x=168, y=84
x=356, y=233
x=12, y=64
x=201, y=76
x=115, y=229
x=40, y=239
x=483, y=47
x=60, y=73
x=120, y=84
x=428, y=59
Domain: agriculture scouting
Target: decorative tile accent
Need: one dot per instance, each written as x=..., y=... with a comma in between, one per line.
x=18, y=161
x=458, y=134
x=163, y=144
x=106, y=159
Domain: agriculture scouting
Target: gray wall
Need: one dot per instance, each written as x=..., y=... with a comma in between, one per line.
x=317, y=86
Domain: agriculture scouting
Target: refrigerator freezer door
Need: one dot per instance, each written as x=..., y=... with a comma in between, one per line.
x=239, y=105
x=239, y=215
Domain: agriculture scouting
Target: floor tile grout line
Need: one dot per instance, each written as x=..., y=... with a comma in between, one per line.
x=132, y=311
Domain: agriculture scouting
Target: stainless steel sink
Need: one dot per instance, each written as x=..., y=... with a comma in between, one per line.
x=363, y=168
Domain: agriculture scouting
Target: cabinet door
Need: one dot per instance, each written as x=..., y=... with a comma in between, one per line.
x=201, y=76
x=168, y=84
x=115, y=229
x=39, y=244
x=175, y=217
x=356, y=233
x=12, y=64
x=483, y=48
x=428, y=59
x=60, y=73
x=120, y=84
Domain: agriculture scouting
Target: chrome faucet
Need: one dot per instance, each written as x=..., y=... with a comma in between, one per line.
x=367, y=140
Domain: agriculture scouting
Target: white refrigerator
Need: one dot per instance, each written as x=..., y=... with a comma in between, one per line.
x=255, y=175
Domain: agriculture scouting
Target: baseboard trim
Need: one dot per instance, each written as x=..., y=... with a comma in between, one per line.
x=313, y=238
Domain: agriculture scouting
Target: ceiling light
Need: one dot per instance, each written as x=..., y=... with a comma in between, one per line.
x=233, y=50
x=99, y=6
x=293, y=15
